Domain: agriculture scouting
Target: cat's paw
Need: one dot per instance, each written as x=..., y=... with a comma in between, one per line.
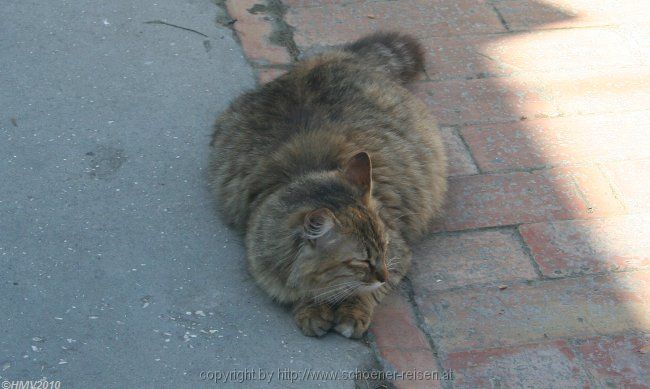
x=314, y=320
x=352, y=321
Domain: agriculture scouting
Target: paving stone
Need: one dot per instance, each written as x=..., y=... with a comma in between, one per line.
x=254, y=30
x=532, y=14
x=488, y=100
x=451, y=260
x=589, y=246
x=462, y=57
x=544, y=365
x=489, y=317
x=630, y=180
x=618, y=361
x=583, y=92
x=479, y=56
x=639, y=35
x=559, y=141
x=394, y=325
x=539, y=51
x=402, y=346
x=333, y=23
x=521, y=197
x=406, y=364
x=458, y=157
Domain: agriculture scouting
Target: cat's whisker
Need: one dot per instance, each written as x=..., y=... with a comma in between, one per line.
x=351, y=293
x=332, y=290
x=327, y=295
x=333, y=286
x=351, y=290
x=323, y=295
x=341, y=293
x=334, y=298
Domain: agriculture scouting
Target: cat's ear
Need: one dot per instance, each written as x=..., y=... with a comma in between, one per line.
x=358, y=171
x=318, y=228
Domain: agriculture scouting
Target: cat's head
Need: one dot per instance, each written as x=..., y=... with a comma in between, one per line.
x=342, y=240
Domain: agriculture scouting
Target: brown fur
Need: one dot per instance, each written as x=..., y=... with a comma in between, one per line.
x=331, y=171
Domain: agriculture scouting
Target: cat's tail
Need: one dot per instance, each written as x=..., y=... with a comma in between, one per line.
x=401, y=55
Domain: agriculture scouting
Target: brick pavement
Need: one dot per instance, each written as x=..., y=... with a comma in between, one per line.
x=539, y=274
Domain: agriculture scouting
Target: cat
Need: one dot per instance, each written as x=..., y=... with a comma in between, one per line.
x=332, y=171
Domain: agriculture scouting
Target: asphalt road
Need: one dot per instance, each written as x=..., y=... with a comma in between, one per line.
x=114, y=268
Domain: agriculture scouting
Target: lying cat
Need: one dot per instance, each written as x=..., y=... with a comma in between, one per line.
x=332, y=170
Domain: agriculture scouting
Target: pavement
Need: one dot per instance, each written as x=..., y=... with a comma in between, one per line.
x=115, y=270
x=539, y=273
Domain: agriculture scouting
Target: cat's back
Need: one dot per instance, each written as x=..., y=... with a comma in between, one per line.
x=311, y=99
x=315, y=117
x=331, y=88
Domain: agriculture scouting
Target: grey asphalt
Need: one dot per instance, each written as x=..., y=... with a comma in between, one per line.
x=114, y=268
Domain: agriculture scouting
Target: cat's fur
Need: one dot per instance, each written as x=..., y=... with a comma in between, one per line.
x=332, y=170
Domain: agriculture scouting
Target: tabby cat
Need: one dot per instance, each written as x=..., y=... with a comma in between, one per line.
x=331, y=171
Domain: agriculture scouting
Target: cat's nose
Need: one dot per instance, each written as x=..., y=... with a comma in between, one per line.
x=381, y=274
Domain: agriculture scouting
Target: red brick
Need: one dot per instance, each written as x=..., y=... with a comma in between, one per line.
x=336, y=22
x=543, y=365
x=537, y=94
x=577, y=92
x=559, y=141
x=514, y=198
x=541, y=51
x=400, y=343
x=532, y=14
x=265, y=75
x=580, y=246
x=488, y=100
x=462, y=57
x=458, y=157
x=538, y=51
x=394, y=325
x=488, y=317
x=450, y=260
x=587, y=183
x=617, y=361
x=631, y=180
x=417, y=361
x=254, y=31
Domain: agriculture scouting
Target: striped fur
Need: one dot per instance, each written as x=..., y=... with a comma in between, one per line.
x=332, y=171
